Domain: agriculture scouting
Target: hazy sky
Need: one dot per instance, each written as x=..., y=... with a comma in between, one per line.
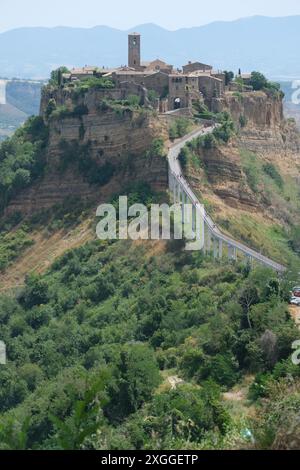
x=124, y=14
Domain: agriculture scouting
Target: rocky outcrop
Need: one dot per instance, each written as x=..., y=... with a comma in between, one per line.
x=261, y=110
x=264, y=128
x=261, y=129
x=120, y=137
x=223, y=172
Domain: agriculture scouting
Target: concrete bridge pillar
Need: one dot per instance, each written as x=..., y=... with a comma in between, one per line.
x=220, y=249
x=216, y=248
x=178, y=193
x=182, y=200
x=194, y=224
x=176, y=190
x=208, y=240
x=232, y=252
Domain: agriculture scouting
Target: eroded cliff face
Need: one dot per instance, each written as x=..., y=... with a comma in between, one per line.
x=265, y=128
x=121, y=139
x=222, y=178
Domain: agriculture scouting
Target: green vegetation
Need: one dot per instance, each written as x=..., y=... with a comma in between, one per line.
x=12, y=245
x=153, y=96
x=259, y=82
x=201, y=111
x=157, y=149
x=295, y=239
x=272, y=171
x=132, y=105
x=277, y=397
x=220, y=135
x=243, y=120
x=179, y=128
x=56, y=76
x=184, y=157
x=109, y=307
x=95, y=343
x=86, y=84
x=22, y=159
x=265, y=179
x=60, y=112
x=229, y=76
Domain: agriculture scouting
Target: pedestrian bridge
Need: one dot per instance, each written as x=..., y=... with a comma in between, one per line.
x=214, y=240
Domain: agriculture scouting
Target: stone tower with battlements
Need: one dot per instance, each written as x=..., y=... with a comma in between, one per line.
x=134, y=50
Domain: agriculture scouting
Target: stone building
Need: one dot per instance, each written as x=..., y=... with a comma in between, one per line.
x=196, y=66
x=183, y=89
x=158, y=65
x=173, y=90
x=210, y=87
x=134, y=51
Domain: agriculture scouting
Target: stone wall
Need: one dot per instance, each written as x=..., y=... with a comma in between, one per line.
x=210, y=87
x=183, y=88
x=67, y=96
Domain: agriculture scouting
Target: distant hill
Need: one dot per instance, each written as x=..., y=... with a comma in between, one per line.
x=267, y=44
x=22, y=101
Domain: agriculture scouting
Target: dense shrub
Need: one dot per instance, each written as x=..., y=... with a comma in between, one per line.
x=272, y=171
x=22, y=159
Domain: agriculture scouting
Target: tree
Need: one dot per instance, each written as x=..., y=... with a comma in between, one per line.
x=13, y=435
x=32, y=374
x=295, y=238
x=35, y=292
x=136, y=377
x=258, y=81
x=229, y=76
x=51, y=106
x=184, y=157
x=56, y=75
x=248, y=297
x=85, y=419
x=268, y=344
x=21, y=178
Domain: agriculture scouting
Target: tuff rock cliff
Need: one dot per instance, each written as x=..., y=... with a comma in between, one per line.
x=264, y=135
x=119, y=137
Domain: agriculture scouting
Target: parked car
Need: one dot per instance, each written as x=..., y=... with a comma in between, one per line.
x=295, y=301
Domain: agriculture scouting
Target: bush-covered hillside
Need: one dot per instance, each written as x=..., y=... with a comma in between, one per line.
x=22, y=159
x=93, y=342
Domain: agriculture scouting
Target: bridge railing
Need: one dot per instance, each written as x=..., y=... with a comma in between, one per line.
x=180, y=187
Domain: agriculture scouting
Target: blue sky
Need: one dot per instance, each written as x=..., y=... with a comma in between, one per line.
x=124, y=14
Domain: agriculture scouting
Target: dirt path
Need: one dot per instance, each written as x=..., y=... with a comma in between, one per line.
x=45, y=250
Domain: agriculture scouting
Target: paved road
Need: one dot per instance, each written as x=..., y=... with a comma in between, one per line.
x=216, y=232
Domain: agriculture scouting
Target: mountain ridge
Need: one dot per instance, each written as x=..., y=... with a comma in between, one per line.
x=247, y=43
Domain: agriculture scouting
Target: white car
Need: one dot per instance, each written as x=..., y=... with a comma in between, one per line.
x=295, y=301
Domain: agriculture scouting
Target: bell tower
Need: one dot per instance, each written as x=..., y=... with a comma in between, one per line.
x=134, y=50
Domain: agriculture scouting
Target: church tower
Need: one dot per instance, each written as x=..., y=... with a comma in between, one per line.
x=134, y=50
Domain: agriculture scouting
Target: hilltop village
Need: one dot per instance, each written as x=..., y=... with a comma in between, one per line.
x=174, y=89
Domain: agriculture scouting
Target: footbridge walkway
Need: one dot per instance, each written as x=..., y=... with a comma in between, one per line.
x=214, y=239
